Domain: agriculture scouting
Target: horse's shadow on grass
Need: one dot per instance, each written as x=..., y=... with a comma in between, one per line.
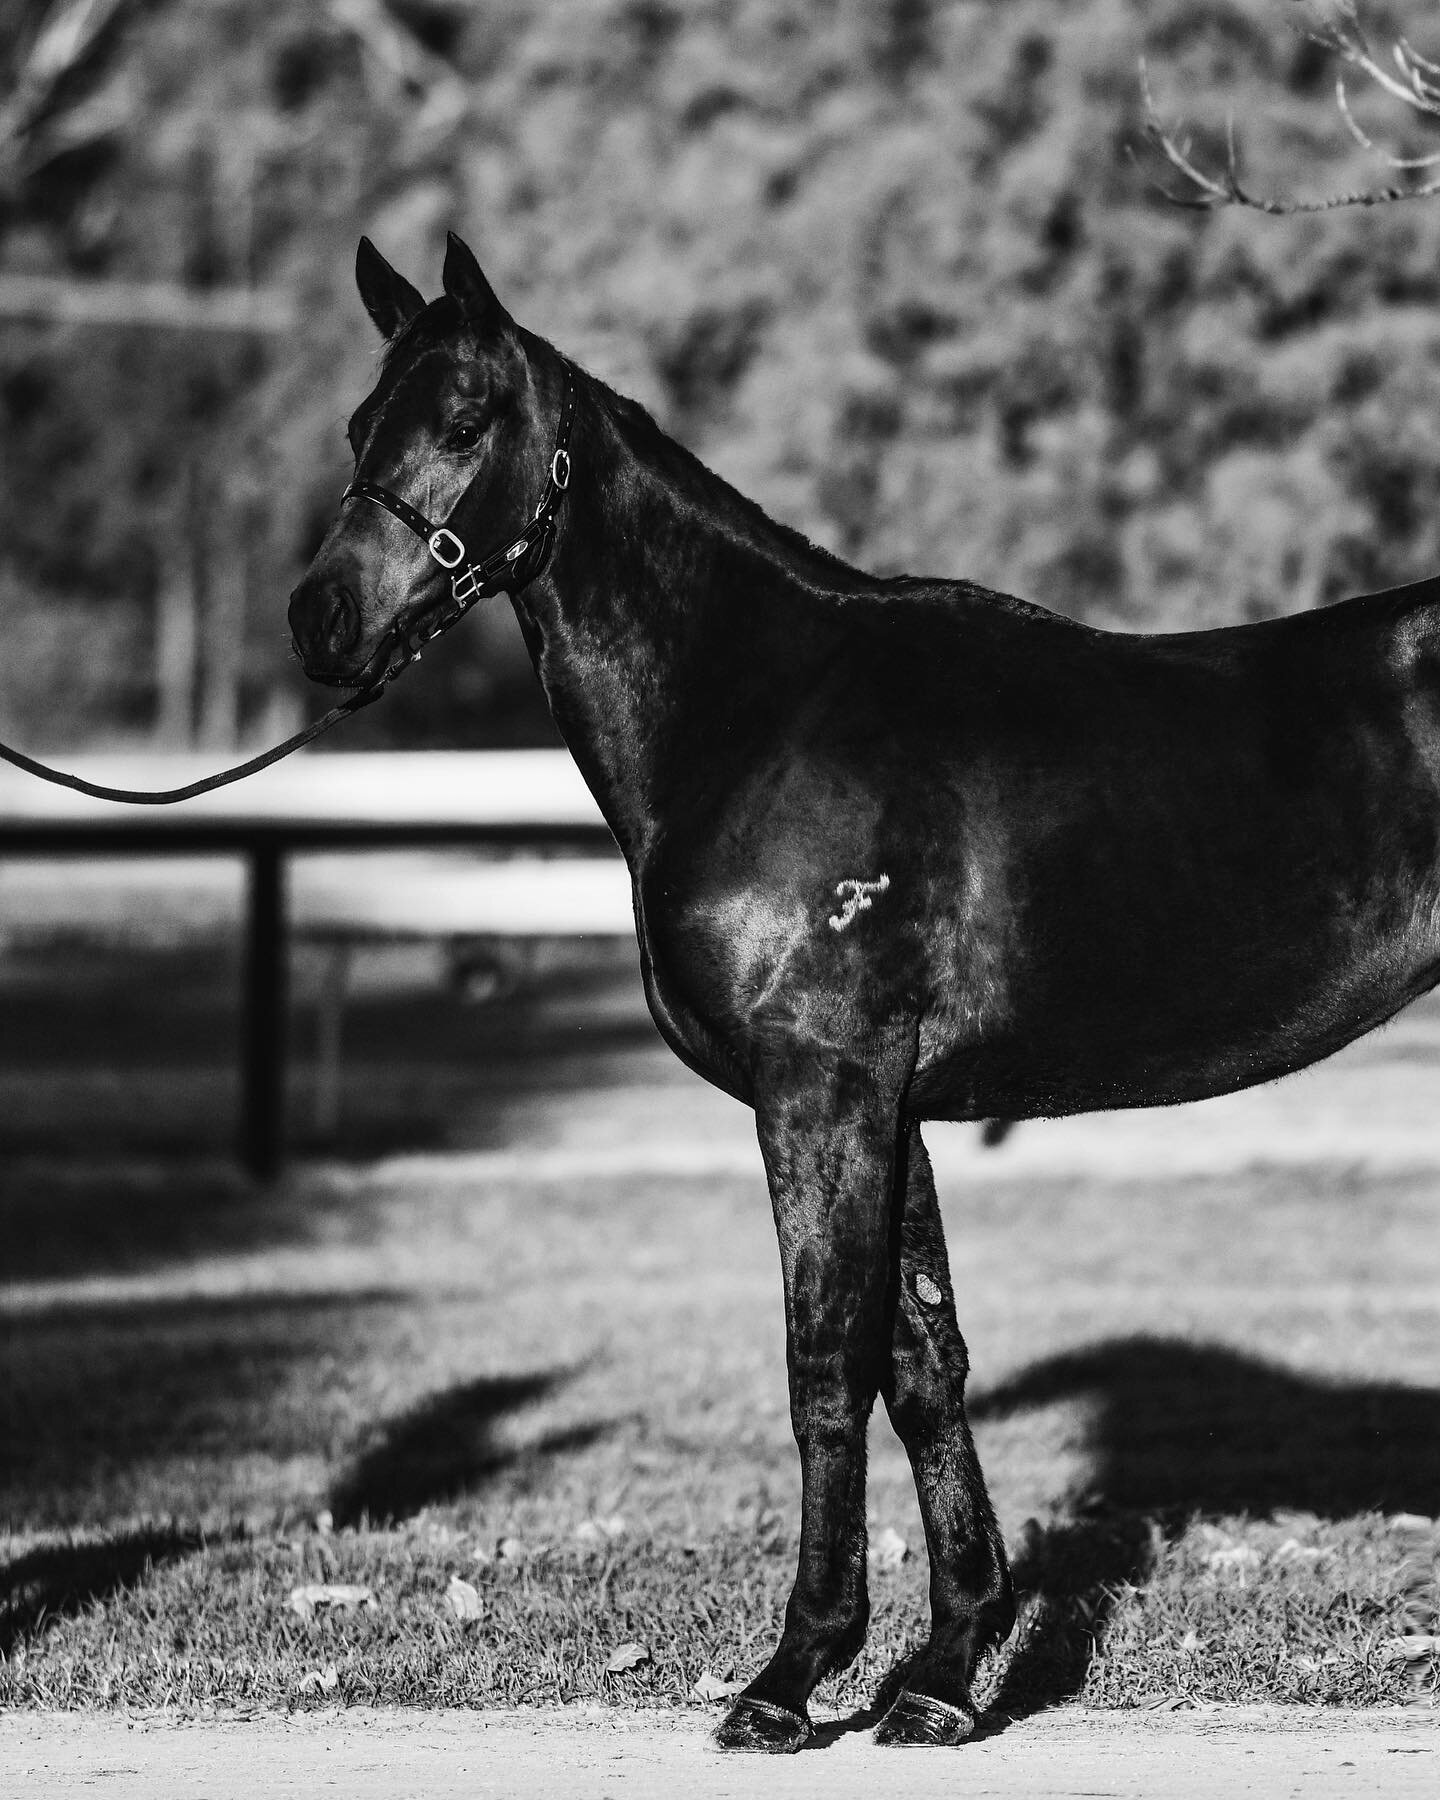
x=1180, y=1431
x=453, y=1443
x=448, y=1445
x=59, y=1579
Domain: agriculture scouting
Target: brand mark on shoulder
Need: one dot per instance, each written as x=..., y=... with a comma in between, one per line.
x=856, y=897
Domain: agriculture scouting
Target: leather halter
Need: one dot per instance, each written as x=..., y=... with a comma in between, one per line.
x=506, y=570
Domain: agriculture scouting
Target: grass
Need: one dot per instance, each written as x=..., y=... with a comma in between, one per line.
x=209, y=1624
x=1209, y=1410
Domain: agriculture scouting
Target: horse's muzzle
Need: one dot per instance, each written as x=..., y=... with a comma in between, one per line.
x=325, y=623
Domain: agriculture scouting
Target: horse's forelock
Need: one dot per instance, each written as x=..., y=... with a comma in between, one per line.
x=440, y=321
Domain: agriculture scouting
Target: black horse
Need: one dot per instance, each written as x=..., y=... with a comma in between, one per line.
x=902, y=850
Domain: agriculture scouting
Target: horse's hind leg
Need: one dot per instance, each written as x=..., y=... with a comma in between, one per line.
x=971, y=1601
x=830, y=1132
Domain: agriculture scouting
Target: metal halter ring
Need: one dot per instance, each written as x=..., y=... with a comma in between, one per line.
x=441, y=541
x=560, y=469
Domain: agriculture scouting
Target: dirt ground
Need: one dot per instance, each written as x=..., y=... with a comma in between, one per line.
x=1224, y=1753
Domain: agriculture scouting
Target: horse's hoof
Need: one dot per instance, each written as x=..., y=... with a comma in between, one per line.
x=761, y=1725
x=919, y=1719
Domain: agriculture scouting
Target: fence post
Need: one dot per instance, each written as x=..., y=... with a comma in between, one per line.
x=262, y=1074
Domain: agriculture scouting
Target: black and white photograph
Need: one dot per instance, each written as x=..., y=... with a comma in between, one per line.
x=720, y=899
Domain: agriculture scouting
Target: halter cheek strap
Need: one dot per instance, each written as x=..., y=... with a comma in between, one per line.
x=505, y=570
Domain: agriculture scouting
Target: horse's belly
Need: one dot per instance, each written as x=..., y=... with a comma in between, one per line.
x=1181, y=1052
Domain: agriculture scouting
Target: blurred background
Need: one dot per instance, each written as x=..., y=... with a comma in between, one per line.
x=900, y=269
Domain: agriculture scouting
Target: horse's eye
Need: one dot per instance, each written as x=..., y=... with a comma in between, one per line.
x=464, y=436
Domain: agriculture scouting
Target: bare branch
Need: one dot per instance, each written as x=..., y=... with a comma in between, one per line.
x=1412, y=55
x=1417, y=84
x=1417, y=72
x=1342, y=101
x=1208, y=191
x=1348, y=41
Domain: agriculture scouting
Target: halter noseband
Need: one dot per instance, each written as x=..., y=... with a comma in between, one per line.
x=505, y=570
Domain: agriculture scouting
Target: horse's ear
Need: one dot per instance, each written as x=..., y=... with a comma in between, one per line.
x=389, y=298
x=465, y=282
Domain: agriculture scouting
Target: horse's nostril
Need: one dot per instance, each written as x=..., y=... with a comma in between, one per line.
x=341, y=628
x=324, y=617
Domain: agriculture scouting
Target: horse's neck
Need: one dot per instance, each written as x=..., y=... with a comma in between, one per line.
x=659, y=609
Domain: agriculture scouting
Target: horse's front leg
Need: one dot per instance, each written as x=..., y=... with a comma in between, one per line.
x=971, y=1600
x=829, y=1130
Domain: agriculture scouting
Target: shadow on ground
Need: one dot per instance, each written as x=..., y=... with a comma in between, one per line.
x=244, y=1405
x=70, y=1455
x=1181, y=1431
x=109, y=1051
x=60, y=1579
x=448, y=1446
x=146, y=1409
x=118, y=1101
x=68, y=1222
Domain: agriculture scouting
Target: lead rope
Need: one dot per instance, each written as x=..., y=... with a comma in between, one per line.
x=168, y=796
x=519, y=562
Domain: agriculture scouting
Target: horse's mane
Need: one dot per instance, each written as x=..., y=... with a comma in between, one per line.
x=682, y=469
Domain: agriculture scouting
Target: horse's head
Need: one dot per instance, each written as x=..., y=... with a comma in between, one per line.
x=452, y=448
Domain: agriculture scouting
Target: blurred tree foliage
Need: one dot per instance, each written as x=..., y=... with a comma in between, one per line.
x=898, y=268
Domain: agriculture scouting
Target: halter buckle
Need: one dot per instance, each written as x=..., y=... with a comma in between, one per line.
x=446, y=548
x=560, y=469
